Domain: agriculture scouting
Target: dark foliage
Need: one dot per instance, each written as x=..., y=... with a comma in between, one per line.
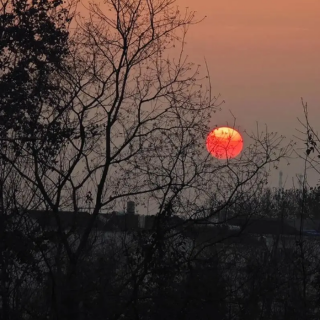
x=33, y=44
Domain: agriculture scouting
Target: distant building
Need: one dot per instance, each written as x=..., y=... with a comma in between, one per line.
x=263, y=226
x=68, y=219
x=306, y=225
x=130, y=207
x=105, y=222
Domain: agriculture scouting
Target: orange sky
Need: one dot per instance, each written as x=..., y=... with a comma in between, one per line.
x=263, y=56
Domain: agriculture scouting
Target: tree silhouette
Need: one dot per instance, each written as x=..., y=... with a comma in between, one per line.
x=33, y=44
x=126, y=122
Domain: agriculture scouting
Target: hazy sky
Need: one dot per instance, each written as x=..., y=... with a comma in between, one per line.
x=263, y=57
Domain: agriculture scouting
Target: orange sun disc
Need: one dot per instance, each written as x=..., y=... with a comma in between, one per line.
x=224, y=143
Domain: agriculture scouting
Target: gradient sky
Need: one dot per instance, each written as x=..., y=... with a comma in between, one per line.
x=263, y=56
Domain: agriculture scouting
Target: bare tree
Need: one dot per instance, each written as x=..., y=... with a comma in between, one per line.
x=310, y=138
x=130, y=123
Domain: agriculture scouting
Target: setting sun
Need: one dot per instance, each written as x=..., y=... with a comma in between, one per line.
x=224, y=143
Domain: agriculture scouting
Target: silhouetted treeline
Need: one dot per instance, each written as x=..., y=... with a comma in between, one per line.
x=190, y=271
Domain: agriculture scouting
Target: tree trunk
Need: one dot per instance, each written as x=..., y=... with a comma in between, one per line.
x=71, y=297
x=4, y=303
